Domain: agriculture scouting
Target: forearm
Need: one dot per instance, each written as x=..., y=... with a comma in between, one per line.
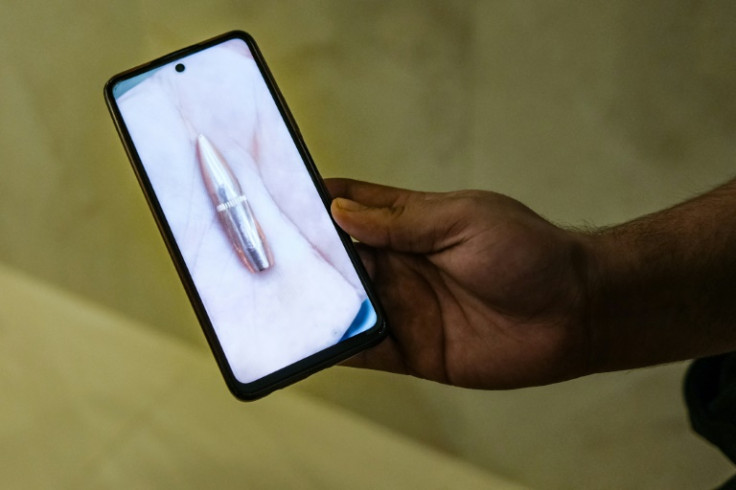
x=663, y=287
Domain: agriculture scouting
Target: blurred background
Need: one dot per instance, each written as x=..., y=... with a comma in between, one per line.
x=591, y=113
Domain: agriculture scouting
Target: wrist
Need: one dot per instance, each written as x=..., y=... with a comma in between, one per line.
x=660, y=291
x=593, y=271
x=605, y=260
x=581, y=292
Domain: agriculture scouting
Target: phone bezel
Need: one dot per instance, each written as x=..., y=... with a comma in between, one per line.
x=309, y=365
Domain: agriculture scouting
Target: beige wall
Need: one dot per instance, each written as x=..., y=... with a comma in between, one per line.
x=590, y=112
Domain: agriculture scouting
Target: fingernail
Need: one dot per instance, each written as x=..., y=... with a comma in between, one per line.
x=348, y=205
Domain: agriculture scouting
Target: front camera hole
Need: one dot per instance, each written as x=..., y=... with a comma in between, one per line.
x=180, y=68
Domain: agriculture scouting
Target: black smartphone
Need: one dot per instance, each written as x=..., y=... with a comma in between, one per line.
x=277, y=287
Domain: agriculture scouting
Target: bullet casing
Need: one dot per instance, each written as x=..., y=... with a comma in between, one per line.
x=233, y=210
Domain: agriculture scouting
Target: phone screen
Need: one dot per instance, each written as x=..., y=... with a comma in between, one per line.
x=238, y=200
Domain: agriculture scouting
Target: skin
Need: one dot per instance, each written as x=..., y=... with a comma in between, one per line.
x=166, y=113
x=482, y=292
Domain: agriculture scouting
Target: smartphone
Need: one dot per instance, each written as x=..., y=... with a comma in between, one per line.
x=277, y=287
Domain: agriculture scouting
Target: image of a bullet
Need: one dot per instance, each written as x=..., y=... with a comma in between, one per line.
x=233, y=210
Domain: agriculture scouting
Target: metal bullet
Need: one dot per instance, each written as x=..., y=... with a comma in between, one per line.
x=233, y=209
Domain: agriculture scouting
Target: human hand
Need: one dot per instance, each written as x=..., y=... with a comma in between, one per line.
x=479, y=290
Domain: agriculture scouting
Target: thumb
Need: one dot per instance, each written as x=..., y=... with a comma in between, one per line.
x=421, y=223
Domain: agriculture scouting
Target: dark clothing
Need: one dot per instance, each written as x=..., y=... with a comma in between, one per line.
x=710, y=393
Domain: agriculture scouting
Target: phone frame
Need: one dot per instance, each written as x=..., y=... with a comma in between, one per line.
x=313, y=363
